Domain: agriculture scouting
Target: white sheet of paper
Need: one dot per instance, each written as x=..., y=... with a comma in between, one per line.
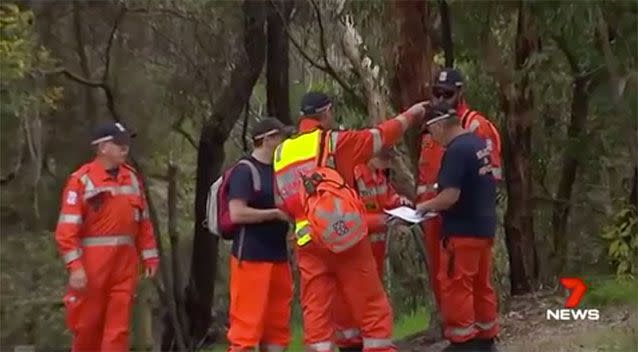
x=408, y=214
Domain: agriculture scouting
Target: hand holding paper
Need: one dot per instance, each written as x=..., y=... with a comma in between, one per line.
x=408, y=214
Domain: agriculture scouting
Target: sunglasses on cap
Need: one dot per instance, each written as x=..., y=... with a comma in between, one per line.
x=442, y=93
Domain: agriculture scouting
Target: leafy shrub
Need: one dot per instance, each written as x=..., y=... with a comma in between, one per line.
x=622, y=235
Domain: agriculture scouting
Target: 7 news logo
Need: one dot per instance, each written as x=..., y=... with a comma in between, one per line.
x=577, y=289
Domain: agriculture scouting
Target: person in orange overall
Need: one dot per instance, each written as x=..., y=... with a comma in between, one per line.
x=103, y=229
x=260, y=278
x=448, y=88
x=466, y=200
x=377, y=193
x=323, y=273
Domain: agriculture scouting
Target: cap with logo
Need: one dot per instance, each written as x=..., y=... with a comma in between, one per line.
x=313, y=103
x=113, y=132
x=437, y=112
x=269, y=126
x=449, y=79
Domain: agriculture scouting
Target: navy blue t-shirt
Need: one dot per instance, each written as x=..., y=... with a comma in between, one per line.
x=466, y=166
x=263, y=241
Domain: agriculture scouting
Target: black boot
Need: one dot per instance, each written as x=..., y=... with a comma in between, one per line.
x=486, y=345
x=356, y=348
x=467, y=346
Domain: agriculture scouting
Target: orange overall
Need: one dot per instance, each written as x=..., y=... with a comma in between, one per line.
x=103, y=227
x=377, y=194
x=352, y=273
x=260, y=279
x=429, y=164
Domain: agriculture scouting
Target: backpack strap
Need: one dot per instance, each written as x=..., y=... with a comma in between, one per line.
x=254, y=172
x=326, y=149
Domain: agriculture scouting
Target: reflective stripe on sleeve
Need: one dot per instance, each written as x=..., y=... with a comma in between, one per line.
x=377, y=143
x=376, y=343
x=324, y=346
x=149, y=253
x=72, y=255
x=377, y=237
x=136, y=215
x=69, y=219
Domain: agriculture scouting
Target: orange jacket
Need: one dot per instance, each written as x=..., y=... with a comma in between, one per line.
x=484, y=128
x=432, y=152
x=377, y=194
x=94, y=204
x=358, y=146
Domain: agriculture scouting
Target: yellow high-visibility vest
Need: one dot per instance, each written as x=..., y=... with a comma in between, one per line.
x=292, y=157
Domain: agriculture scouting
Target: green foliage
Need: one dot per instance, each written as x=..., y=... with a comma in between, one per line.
x=622, y=236
x=612, y=291
x=21, y=63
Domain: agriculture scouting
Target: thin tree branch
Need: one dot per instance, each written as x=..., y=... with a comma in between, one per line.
x=322, y=35
x=178, y=127
x=109, y=44
x=326, y=67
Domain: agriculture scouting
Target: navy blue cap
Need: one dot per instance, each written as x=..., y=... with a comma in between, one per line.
x=314, y=103
x=112, y=131
x=268, y=126
x=448, y=79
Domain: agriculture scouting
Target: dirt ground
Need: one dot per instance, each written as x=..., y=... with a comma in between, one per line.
x=524, y=328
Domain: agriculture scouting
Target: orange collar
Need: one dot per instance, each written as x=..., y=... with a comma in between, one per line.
x=99, y=171
x=461, y=108
x=307, y=124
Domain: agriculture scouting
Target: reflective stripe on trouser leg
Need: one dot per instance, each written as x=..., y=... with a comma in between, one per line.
x=363, y=291
x=485, y=300
x=271, y=348
x=485, y=326
x=374, y=343
x=347, y=337
x=323, y=346
x=458, y=271
x=317, y=291
x=347, y=333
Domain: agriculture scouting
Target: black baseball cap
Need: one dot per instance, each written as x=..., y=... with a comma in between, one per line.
x=437, y=112
x=112, y=131
x=448, y=79
x=268, y=126
x=313, y=103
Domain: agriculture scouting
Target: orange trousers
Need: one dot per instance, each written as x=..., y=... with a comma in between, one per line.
x=98, y=317
x=468, y=302
x=431, y=239
x=352, y=275
x=347, y=332
x=260, y=300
